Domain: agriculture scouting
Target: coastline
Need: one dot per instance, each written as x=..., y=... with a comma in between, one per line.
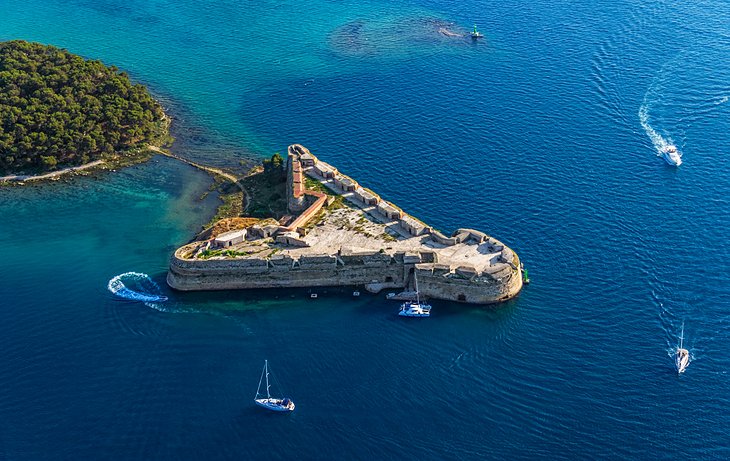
x=53, y=175
x=111, y=163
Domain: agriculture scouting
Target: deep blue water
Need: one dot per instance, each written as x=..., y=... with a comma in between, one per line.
x=540, y=135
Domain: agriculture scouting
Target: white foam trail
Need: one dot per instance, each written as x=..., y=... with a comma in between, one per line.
x=144, y=288
x=660, y=143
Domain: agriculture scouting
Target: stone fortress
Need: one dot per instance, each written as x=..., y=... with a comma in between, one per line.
x=348, y=237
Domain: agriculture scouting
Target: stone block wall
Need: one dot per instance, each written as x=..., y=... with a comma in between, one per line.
x=435, y=280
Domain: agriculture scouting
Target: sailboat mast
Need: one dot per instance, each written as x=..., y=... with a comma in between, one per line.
x=258, y=389
x=681, y=338
x=266, y=367
x=415, y=277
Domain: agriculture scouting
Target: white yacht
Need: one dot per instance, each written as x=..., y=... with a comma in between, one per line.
x=672, y=155
x=417, y=309
x=681, y=359
x=271, y=403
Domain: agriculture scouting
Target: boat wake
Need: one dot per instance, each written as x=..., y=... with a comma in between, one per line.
x=660, y=142
x=136, y=286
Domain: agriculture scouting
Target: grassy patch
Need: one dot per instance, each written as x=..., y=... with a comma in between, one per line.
x=232, y=198
x=313, y=184
x=266, y=194
x=338, y=202
x=206, y=254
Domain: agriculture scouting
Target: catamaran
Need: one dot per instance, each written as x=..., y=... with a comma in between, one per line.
x=271, y=403
x=417, y=309
x=682, y=358
x=671, y=155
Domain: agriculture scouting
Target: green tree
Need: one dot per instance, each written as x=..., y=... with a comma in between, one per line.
x=49, y=162
x=59, y=109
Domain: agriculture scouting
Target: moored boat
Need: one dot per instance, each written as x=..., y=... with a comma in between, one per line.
x=415, y=309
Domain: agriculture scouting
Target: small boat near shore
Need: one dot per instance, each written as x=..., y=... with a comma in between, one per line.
x=671, y=155
x=415, y=309
x=681, y=359
x=280, y=404
x=525, y=275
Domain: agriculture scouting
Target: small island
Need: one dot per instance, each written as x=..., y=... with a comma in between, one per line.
x=61, y=111
x=332, y=231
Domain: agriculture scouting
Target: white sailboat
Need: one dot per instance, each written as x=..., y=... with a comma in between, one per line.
x=269, y=402
x=682, y=356
x=417, y=309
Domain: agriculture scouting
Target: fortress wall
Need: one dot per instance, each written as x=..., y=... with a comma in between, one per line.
x=309, y=213
x=388, y=210
x=236, y=274
x=345, y=183
x=474, y=291
x=444, y=240
x=475, y=234
x=435, y=280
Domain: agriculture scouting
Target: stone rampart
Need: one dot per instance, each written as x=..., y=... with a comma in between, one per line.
x=438, y=281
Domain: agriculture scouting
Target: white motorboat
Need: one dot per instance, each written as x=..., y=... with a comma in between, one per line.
x=271, y=403
x=681, y=359
x=671, y=155
x=415, y=309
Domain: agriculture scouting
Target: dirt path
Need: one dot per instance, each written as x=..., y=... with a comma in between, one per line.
x=51, y=175
x=215, y=171
x=232, y=178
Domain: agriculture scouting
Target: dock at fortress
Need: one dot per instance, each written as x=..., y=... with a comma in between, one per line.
x=348, y=237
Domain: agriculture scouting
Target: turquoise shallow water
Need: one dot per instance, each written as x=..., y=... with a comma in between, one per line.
x=540, y=135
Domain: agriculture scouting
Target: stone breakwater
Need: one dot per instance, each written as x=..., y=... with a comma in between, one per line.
x=367, y=242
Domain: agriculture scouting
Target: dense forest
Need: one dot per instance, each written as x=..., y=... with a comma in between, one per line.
x=58, y=109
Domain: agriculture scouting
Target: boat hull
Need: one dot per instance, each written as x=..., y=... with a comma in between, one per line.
x=682, y=360
x=415, y=310
x=275, y=405
x=414, y=314
x=674, y=160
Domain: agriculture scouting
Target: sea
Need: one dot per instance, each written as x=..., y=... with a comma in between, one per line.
x=545, y=134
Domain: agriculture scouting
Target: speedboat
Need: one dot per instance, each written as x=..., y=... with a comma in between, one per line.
x=414, y=309
x=672, y=155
